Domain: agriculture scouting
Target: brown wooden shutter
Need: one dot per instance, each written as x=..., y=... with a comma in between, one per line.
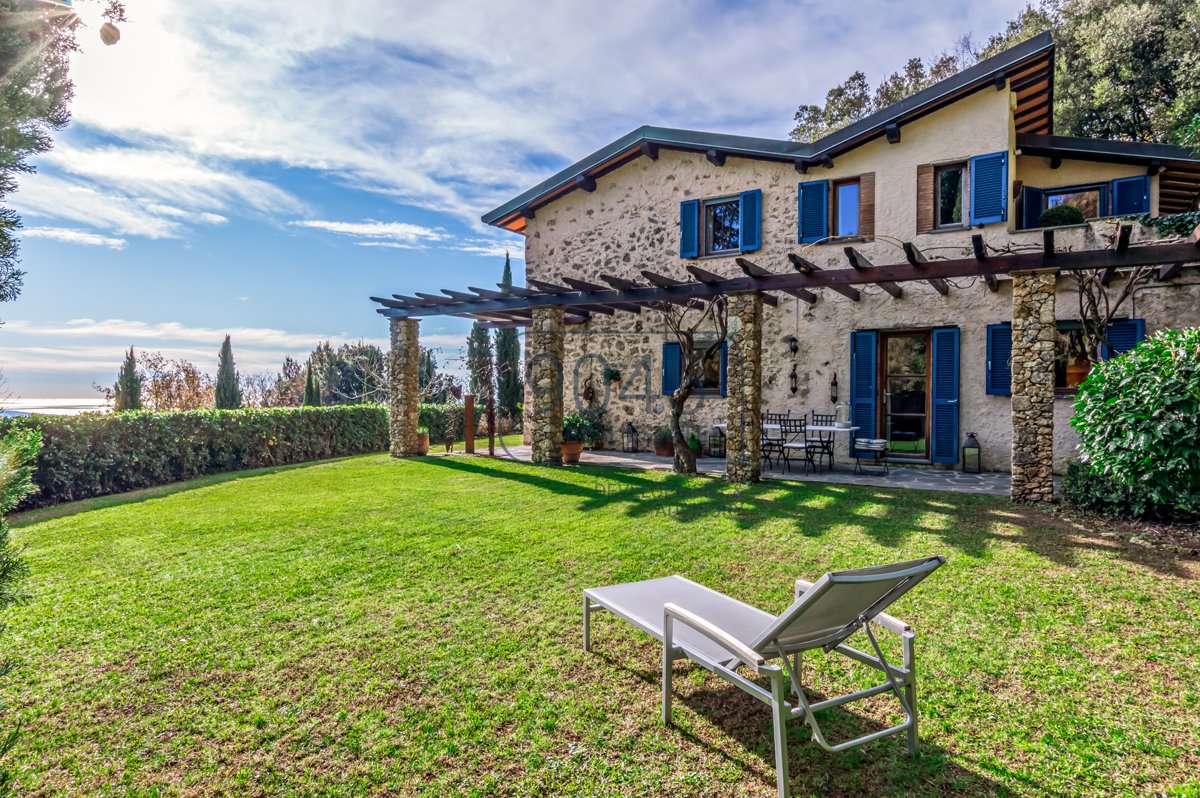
x=924, y=197
x=866, y=205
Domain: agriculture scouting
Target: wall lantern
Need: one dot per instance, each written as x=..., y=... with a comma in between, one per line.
x=794, y=380
x=833, y=392
x=972, y=455
x=716, y=443
x=793, y=344
x=629, y=438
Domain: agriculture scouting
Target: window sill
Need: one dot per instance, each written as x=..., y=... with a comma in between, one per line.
x=939, y=230
x=842, y=240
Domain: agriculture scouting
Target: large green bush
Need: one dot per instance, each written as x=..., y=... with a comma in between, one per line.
x=94, y=455
x=440, y=419
x=1138, y=417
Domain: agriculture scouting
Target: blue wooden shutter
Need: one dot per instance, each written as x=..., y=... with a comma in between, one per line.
x=672, y=367
x=751, y=220
x=1131, y=195
x=989, y=188
x=689, y=229
x=943, y=434
x=1032, y=199
x=813, y=206
x=862, y=384
x=1123, y=336
x=724, y=358
x=999, y=359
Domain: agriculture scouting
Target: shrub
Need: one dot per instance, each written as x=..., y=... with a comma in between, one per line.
x=1061, y=215
x=1136, y=416
x=94, y=455
x=442, y=419
x=577, y=428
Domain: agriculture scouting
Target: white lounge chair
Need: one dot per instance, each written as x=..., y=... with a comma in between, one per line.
x=723, y=634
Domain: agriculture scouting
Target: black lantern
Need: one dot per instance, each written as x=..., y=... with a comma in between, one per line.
x=629, y=438
x=794, y=380
x=972, y=455
x=833, y=395
x=793, y=345
x=716, y=443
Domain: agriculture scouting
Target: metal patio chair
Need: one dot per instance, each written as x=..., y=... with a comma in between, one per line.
x=771, y=441
x=796, y=441
x=722, y=634
x=822, y=440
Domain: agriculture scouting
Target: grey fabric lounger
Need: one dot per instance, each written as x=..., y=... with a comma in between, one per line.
x=722, y=634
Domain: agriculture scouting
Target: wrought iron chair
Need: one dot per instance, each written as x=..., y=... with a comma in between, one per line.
x=822, y=440
x=771, y=442
x=796, y=441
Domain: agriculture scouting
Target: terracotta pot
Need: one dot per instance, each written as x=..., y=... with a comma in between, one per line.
x=423, y=444
x=664, y=449
x=571, y=451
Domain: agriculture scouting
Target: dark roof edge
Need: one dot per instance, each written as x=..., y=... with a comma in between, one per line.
x=1092, y=149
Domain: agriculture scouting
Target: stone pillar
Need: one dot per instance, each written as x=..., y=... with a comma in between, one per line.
x=403, y=387
x=1033, y=336
x=544, y=378
x=743, y=379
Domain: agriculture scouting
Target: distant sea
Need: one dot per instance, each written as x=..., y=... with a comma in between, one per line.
x=51, y=406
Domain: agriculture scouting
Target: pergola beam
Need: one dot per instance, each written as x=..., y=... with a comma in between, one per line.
x=858, y=261
x=918, y=259
x=807, y=267
x=752, y=269
x=981, y=255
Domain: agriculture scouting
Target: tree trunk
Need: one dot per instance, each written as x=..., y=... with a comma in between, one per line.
x=685, y=458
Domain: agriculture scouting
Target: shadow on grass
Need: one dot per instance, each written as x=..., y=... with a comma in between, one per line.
x=972, y=524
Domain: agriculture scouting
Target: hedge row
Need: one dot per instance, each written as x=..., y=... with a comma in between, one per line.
x=94, y=455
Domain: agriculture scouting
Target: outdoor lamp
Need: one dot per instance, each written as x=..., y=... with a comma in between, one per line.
x=833, y=394
x=716, y=443
x=972, y=455
x=629, y=438
x=794, y=379
x=794, y=344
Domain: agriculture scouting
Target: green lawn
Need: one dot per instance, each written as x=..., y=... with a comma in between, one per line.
x=371, y=626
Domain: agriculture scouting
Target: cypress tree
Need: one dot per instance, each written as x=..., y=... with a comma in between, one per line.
x=510, y=386
x=312, y=391
x=479, y=361
x=228, y=394
x=127, y=393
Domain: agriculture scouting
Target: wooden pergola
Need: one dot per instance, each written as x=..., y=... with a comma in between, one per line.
x=546, y=307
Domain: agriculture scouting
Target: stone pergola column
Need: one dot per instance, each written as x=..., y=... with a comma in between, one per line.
x=544, y=346
x=1033, y=336
x=743, y=380
x=403, y=387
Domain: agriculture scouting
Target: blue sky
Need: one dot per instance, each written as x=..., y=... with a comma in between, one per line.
x=261, y=169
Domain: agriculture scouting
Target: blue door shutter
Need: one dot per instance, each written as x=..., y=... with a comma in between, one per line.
x=999, y=359
x=813, y=206
x=672, y=367
x=989, y=188
x=943, y=434
x=724, y=358
x=751, y=220
x=1032, y=200
x=862, y=384
x=689, y=229
x=1123, y=336
x=1131, y=195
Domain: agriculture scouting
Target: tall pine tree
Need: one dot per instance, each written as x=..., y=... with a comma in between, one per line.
x=312, y=390
x=228, y=394
x=127, y=393
x=510, y=388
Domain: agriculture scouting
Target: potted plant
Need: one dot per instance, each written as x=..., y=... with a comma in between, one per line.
x=594, y=416
x=576, y=430
x=422, y=439
x=664, y=442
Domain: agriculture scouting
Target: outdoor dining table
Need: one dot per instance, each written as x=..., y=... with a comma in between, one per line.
x=807, y=428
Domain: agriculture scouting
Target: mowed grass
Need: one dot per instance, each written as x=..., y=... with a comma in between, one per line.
x=371, y=626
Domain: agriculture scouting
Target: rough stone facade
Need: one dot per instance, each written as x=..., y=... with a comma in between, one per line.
x=743, y=461
x=544, y=378
x=1033, y=336
x=403, y=387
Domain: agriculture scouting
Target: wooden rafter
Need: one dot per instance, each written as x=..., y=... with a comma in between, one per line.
x=858, y=261
x=752, y=269
x=918, y=259
x=806, y=267
x=980, y=251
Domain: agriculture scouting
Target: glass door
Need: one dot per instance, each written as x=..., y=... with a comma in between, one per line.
x=904, y=384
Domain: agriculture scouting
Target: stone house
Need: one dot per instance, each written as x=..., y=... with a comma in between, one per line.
x=919, y=363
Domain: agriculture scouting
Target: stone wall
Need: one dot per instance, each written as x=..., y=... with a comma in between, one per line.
x=403, y=387
x=744, y=380
x=1033, y=335
x=544, y=376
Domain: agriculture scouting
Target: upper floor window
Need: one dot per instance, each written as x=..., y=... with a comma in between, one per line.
x=846, y=207
x=1087, y=199
x=950, y=201
x=831, y=210
x=722, y=226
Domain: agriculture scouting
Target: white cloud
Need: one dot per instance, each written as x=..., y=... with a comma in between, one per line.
x=71, y=236
x=493, y=248
x=399, y=235
x=140, y=332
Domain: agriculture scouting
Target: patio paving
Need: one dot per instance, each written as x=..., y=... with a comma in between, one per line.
x=994, y=484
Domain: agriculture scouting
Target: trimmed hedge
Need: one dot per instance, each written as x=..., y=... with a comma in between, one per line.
x=440, y=418
x=95, y=455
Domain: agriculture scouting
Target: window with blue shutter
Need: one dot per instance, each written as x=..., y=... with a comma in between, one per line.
x=862, y=384
x=672, y=367
x=1122, y=336
x=989, y=188
x=999, y=359
x=944, y=423
x=751, y=220
x=813, y=205
x=1131, y=195
x=689, y=229
x=1032, y=204
x=712, y=379
x=724, y=358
